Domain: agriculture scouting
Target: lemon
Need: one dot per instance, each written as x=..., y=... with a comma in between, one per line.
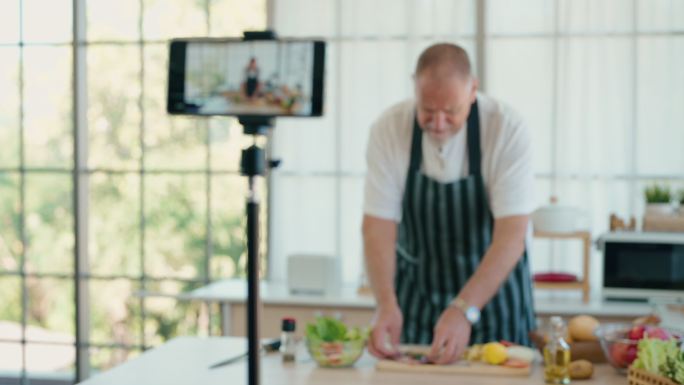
x=494, y=353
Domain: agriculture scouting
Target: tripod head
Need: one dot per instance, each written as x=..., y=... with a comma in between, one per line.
x=253, y=161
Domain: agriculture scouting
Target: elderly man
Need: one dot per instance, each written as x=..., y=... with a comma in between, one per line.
x=448, y=192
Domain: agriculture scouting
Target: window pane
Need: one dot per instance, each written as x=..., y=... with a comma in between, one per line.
x=232, y=17
x=175, y=225
x=598, y=198
x=50, y=310
x=304, y=215
x=9, y=22
x=168, y=317
x=49, y=223
x=660, y=15
x=595, y=16
x=48, y=120
x=47, y=21
x=10, y=309
x=228, y=226
x=361, y=18
x=181, y=18
x=171, y=142
x=305, y=17
x=308, y=144
x=444, y=17
x=351, y=213
x=102, y=359
x=520, y=74
x=109, y=20
x=113, y=106
x=114, y=223
x=12, y=359
x=519, y=17
x=660, y=116
x=114, y=320
x=594, y=99
x=367, y=91
x=9, y=106
x=50, y=361
x=226, y=141
x=10, y=239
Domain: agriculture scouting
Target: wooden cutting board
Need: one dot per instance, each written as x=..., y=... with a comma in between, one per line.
x=460, y=367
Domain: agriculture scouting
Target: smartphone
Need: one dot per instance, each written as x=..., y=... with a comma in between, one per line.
x=247, y=78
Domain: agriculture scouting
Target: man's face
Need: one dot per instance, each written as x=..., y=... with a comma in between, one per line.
x=443, y=105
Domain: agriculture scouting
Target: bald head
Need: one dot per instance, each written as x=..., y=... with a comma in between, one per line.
x=444, y=60
x=445, y=89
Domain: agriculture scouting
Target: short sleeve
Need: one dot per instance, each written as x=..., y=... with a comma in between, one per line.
x=512, y=181
x=383, y=187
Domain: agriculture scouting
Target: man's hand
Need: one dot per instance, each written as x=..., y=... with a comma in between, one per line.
x=451, y=335
x=387, y=324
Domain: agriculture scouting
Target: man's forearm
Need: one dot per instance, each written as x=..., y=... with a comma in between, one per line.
x=503, y=254
x=379, y=237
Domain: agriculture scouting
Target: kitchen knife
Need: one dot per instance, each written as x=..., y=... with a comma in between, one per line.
x=269, y=346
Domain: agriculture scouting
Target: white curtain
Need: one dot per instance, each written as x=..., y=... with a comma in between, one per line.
x=599, y=83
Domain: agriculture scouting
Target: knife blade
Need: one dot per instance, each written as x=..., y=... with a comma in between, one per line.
x=269, y=346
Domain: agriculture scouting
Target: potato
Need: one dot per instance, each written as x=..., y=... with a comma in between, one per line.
x=581, y=370
x=581, y=328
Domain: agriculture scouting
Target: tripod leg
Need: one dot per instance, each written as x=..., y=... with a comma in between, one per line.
x=253, y=289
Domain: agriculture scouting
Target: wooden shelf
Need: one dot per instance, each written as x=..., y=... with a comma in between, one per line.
x=585, y=237
x=559, y=285
x=573, y=235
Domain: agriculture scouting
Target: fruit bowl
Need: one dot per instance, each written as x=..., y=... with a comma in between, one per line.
x=619, y=341
x=339, y=354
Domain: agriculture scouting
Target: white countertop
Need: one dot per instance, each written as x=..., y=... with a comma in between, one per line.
x=234, y=291
x=186, y=360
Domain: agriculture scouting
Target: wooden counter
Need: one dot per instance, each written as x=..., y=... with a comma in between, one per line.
x=185, y=360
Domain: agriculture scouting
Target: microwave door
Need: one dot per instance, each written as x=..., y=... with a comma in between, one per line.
x=638, y=266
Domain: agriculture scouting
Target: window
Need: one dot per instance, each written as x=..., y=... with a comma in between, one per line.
x=162, y=200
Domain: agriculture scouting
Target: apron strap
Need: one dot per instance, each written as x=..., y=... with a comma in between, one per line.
x=474, y=150
x=416, y=146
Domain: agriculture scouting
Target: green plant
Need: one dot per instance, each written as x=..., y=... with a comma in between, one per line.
x=681, y=197
x=658, y=194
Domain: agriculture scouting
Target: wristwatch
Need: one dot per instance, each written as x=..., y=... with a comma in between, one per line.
x=472, y=313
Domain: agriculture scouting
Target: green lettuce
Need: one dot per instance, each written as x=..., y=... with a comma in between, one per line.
x=327, y=329
x=674, y=366
x=664, y=358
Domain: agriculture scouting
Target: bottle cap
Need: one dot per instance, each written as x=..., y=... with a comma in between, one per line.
x=288, y=325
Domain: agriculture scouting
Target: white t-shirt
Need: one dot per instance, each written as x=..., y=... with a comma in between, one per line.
x=506, y=160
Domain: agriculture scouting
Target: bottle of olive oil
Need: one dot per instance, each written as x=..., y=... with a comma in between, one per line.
x=557, y=354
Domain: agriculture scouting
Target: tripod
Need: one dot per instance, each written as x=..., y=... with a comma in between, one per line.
x=253, y=164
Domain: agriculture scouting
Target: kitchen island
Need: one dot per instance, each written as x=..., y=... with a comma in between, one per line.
x=186, y=360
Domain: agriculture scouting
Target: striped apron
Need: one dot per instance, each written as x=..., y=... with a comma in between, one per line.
x=445, y=230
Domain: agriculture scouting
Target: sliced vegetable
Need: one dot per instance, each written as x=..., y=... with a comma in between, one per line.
x=521, y=353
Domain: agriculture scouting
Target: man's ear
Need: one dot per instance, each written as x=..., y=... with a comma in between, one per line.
x=473, y=89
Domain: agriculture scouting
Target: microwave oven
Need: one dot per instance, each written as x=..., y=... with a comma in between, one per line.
x=641, y=265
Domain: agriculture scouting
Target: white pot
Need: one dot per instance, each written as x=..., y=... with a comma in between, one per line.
x=658, y=209
x=555, y=218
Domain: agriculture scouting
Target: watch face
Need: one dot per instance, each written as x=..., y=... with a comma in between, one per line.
x=472, y=314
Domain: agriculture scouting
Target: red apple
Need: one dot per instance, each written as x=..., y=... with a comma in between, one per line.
x=618, y=353
x=636, y=333
x=630, y=355
x=656, y=332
